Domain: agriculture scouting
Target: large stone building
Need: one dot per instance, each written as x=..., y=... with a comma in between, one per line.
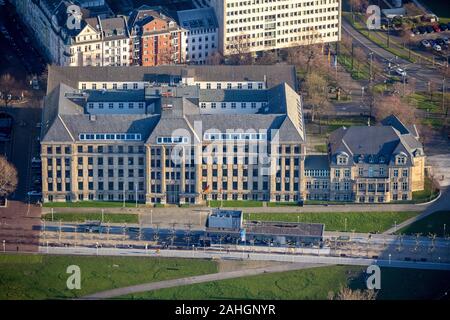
x=368, y=164
x=258, y=25
x=174, y=134
x=60, y=31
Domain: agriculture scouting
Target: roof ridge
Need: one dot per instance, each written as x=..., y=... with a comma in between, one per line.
x=65, y=127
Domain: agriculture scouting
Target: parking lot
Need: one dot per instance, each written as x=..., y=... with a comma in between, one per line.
x=432, y=40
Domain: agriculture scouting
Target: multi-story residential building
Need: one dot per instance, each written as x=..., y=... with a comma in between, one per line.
x=202, y=34
x=258, y=25
x=156, y=37
x=174, y=134
x=59, y=34
x=116, y=42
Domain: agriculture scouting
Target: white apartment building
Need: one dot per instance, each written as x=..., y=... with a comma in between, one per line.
x=256, y=25
x=201, y=36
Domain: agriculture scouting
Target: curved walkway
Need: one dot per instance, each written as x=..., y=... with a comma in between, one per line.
x=441, y=204
x=197, y=279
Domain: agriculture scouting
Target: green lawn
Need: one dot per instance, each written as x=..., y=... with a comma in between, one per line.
x=310, y=284
x=335, y=221
x=234, y=203
x=81, y=217
x=322, y=148
x=44, y=277
x=282, y=204
x=434, y=224
x=90, y=204
x=427, y=194
x=302, y=284
x=337, y=123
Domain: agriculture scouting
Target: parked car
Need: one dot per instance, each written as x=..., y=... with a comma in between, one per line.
x=422, y=29
x=34, y=193
x=415, y=31
x=443, y=27
x=436, y=28
x=445, y=39
x=425, y=43
x=437, y=47
x=429, y=29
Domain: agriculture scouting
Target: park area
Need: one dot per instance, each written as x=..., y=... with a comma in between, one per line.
x=44, y=277
x=312, y=284
x=374, y=222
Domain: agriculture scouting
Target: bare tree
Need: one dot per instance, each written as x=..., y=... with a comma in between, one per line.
x=8, y=85
x=215, y=59
x=349, y=294
x=268, y=57
x=8, y=177
x=316, y=94
x=387, y=105
x=239, y=50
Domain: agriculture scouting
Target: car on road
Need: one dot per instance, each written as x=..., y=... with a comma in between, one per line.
x=34, y=193
x=429, y=29
x=425, y=43
x=437, y=47
x=400, y=72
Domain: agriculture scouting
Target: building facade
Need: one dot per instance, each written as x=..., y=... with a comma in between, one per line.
x=258, y=25
x=368, y=165
x=156, y=37
x=177, y=135
x=201, y=36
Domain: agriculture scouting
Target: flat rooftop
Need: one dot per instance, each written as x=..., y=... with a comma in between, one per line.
x=284, y=228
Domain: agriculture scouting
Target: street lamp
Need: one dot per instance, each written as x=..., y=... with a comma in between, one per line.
x=389, y=258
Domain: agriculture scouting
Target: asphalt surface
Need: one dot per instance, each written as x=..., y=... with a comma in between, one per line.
x=423, y=73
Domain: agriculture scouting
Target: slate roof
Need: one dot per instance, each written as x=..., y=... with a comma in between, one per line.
x=274, y=74
x=231, y=95
x=69, y=127
x=201, y=18
x=317, y=162
x=379, y=143
x=115, y=95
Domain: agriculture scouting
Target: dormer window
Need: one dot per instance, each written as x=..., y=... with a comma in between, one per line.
x=342, y=158
x=400, y=159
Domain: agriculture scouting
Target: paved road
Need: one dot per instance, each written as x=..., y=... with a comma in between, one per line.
x=422, y=73
x=282, y=257
x=198, y=279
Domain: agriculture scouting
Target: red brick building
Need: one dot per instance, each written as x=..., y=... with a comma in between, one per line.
x=156, y=37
